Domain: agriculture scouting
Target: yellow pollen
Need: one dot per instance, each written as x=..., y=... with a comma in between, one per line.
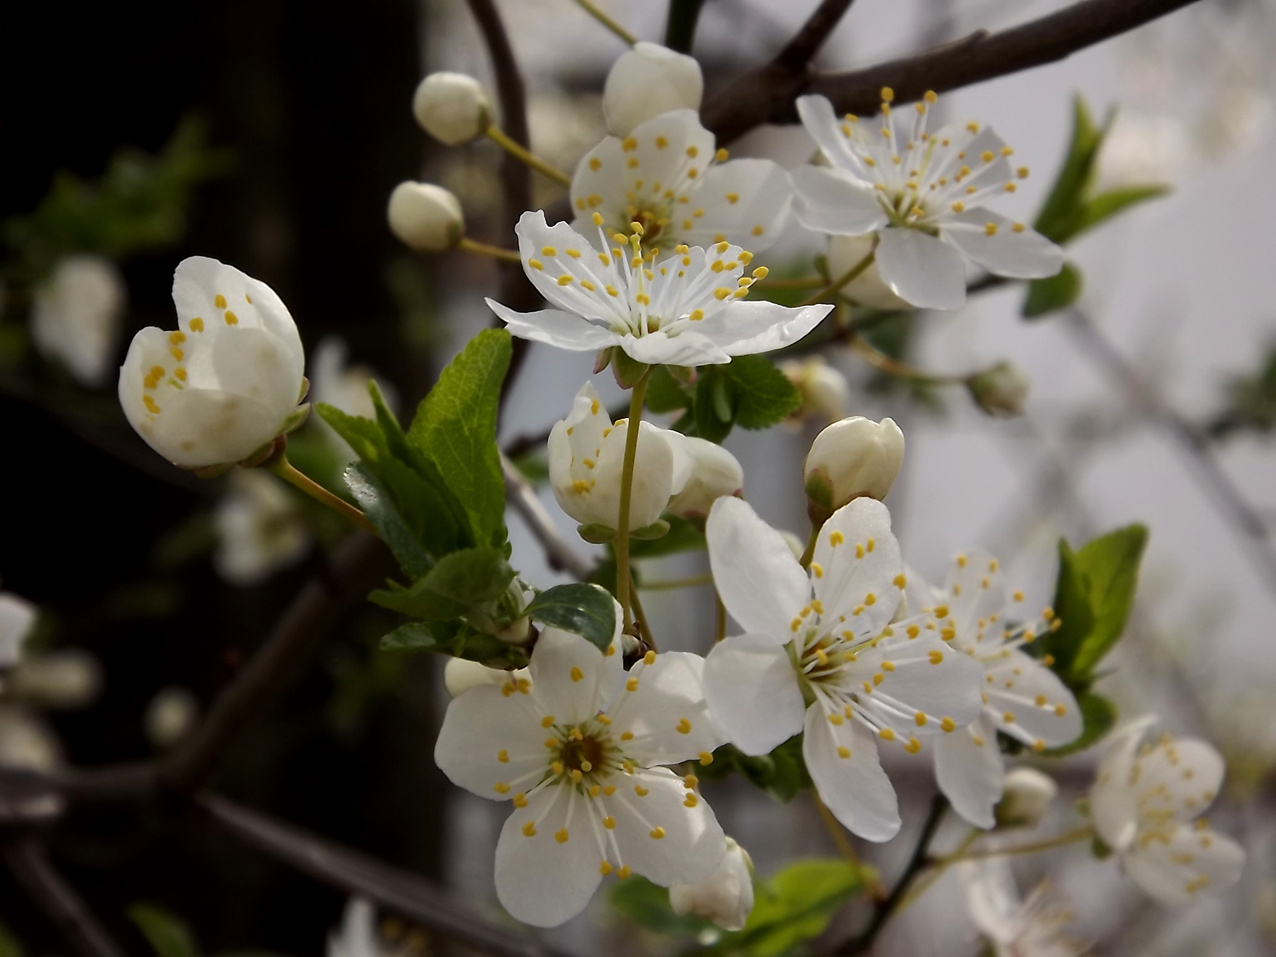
x=690, y=801
x=990, y=229
x=219, y=301
x=576, y=776
x=920, y=718
x=641, y=791
x=657, y=833
x=231, y=318
x=577, y=674
x=503, y=756
x=561, y=836
x=843, y=752
x=1008, y=717
x=604, y=868
x=941, y=611
x=150, y=404
x=913, y=746
x=502, y=788
x=197, y=324
x=520, y=799
x=684, y=726
x=888, y=666
x=1060, y=710
x=529, y=829
x=696, y=315
x=888, y=95
x=913, y=631
x=935, y=657
x=948, y=724
x=627, y=736
x=649, y=658
x=886, y=734
x=631, y=684
x=706, y=757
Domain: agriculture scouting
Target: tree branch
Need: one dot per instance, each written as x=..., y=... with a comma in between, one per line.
x=356, y=873
x=767, y=95
x=799, y=51
x=561, y=556
x=31, y=868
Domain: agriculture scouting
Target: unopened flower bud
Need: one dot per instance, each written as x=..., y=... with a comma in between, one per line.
x=1028, y=793
x=825, y=392
x=726, y=897
x=713, y=473
x=850, y=458
x=425, y=217
x=868, y=288
x=647, y=81
x=452, y=107
x=461, y=674
x=171, y=713
x=1001, y=390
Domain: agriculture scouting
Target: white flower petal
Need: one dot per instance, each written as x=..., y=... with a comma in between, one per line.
x=1028, y=701
x=921, y=269
x=1178, y=778
x=668, y=834
x=481, y=726
x=555, y=328
x=571, y=679
x=745, y=200
x=685, y=349
x=1112, y=801
x=667, y=713
x=541, y=880
x=833, y=201
x=921, y=675
x=968, y=768
x=1025, y=254
x=195, y=428
x=760, y=581
x=817, y=115
x=17, y=615
x=746, y=328
x=974, y=591
x=598, y=185
x=850, y=781
x=1178, y=865
x=558, y=261
x=753, y=693
x=647, y=81
x=858, y=557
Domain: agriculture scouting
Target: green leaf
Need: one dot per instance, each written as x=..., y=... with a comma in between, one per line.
x=1110, y=565
x=168, y=934
x=1059, y=215
x=647, y=905
x=362, y=435
x=457, y=583
x=1099, y=716
x=9, y=945
x=1107, y=205
x=458, y=640
x=711, y=424
x=1052, y=293
x=455, y=429
x=782, y=774
x=382, y=512
x=665, y=393
x=581, y=608
x=763, y=395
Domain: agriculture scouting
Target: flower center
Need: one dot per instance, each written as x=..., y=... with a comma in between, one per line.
x=583, y=754
x=653, y=221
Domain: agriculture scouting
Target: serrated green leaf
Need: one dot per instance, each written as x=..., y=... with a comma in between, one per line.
x=1099, y=716
x=1052, y=293
x=579, y=607
x=665, y=393
x=455, y=429
x=362, y=435
x=385, y=517
x=763, y=396
x=168, y=934
x=422, y=636
x=458, y=640
x=1110, y=564
x=458, y=582
x=1072, y=606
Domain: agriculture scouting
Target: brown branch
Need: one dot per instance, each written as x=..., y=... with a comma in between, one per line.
x=561, y=556
x=767, y=95
x=355, y=873
x=799, y=51
x=31, y=868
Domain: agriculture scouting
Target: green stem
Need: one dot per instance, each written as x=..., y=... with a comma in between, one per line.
x=285, y=470
x=811, y=542
x=607, y=21
x=850, y=275
x=902, y=370
x=690, y=582
x=626, y=495
x=1071, y=837
x=836, y=832
x=487, y=249
x=644, y=627
x=498, y=136
x=680, y=30
x=937, y=870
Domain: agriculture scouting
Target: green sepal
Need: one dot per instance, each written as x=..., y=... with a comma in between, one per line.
x=596, y=534
x=657, y=529
x=168, y=934
x=1100, y=849
x=1053, y=293
x=296, y=419
x=627, y=370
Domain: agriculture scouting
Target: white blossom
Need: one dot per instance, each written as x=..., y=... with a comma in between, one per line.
x=712, y=473
x=1022, y=697
x=686, y=308
x=17, y=618
x=357, y=936
x=867, y=680
x=170, y=714
x=1143, y=803
x=1026, y=795
x=224, y=384
x=1014, y=927
x=461, y=674
x=336, y=382
x=844, y=254
x=64, y=678
x=425, y=217
x=850, y=458
x=666, y=176
x=922, y=195
x=260, y=529
x=726, y=897
x=825, y=392
x=646, y=81
x=454, y=108
x=578, y=750
x=75, y=318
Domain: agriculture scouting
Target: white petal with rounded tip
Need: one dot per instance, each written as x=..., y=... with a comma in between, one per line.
x=921, y=269
x=692, y=845
x=686, y=349
x=1025, y=697
x=17, y=615
x=571, y=679
x=482, y=724
x=753, y=693
x=968, y=768
x=647, y=81
x=1018, y=255
x=865, y=562
x=760, y=581
x=1179, y=778
x=847, y=252
x=832, y=201
x=1171, y=863
x=973, y=591
x=555, y=328
x=552, y=247
x=745, y=200
x=746, y=328
x=196, y=428
x=855, y=788
x=816, y=113
x=540, y=880
x=1112, y=802
x=667, y=713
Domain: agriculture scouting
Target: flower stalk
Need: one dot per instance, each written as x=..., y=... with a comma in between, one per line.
x=280, y=466
x=598, y=14
x=623, y=579
x=501, y=139
x=820, y=295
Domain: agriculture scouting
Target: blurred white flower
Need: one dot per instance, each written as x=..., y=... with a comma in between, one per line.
x=726, y=897
x=921, y=194
x=425, y=217
x=1015, y=928
x=65, y=678
x=358, y=935
x=867, y=289
x=226, y=382
x=1026, y=796
x=259, y=528
x=649, y=80
x=17, y=618
x=75, y=318
x=26, y=742
x=335, y=382
x=454, y=108
x=825, y=392
x=712, y=473
x=170, y=714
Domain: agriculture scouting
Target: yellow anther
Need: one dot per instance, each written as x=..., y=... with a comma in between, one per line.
x=219, y=301
x=656, y=833
x=721, y=155
x=529, y=829
x=888, y=666
x=690, y=801
x=696, y=315
x=757, y=230
x=931, y=96
x=631, y=684
x=151, y=406
x=684, y=726
x=990, y=229
x=502, y=788
x=197, y=324
x=878, y=678
x=626, y=736
x=935, y=656
x=948, y=724
x=721, y=293
x=913, y=631
x=641, y=791
x=913, y=746
x=843, y=752
x=629, y=144
x=693, y=151
x=535, y=264
x=817, y=569
x=577, y=674
x=920, y=718
x=231, y=318
x=561, y=835
x=503, y=756
x=941, y=611
x=859, y=550
x=870, y=598
x=886, y=734
x=888, y=95
x=1060, y=710
x=520, y=799
x=706, y=757
x=836, y=720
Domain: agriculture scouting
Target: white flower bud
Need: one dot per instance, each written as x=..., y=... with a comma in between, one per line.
x=171, y=713
x=714, y=472
x=224, y=384
x=76, y=316
x=647, y=81
x=17, y=616
x=452, y=107
x=868, y=289
x=825, y=392
x=726, y=897
x=1001, y=390
x=850, y=458
x=1028, y=793
x=425, y=217
x=586, y=458
x=461, y=674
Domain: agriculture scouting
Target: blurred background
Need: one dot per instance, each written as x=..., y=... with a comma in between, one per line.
x=269, y=135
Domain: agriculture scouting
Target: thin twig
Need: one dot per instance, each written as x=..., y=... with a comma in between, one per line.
x=32, y=869
x=356, y=873
x=561, y=556
x=767, y=95
x=806, y=43
x=1195, y=442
